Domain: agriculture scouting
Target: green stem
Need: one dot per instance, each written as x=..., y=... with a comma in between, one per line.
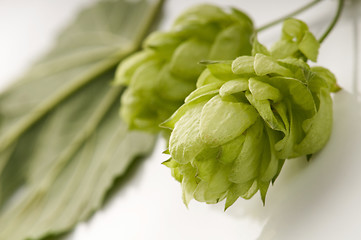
x=300, y=10
x=334, y=21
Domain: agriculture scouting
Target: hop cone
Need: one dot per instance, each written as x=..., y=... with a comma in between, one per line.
x=161, y=75
x=233, y=133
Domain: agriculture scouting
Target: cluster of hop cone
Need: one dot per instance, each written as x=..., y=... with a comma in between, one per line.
x=231, y=110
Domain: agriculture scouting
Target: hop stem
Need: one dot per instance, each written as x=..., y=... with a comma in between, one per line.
x=298, y=11
x=334, y=21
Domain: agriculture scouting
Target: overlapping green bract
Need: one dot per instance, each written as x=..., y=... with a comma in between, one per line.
x=233, y=133
x=161, y=75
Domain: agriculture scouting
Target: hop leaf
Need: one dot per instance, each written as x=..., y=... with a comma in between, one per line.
x=231, y=136
x=161, y=76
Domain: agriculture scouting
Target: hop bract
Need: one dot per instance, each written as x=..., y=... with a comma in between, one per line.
x=233, y=133
x=161, y=75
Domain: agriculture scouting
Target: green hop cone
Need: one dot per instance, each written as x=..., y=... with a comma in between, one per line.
x=296, y=41
x=161, y=75
x=233, y=133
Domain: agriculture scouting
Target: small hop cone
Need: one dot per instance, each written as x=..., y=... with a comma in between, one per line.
x=233, y=133
x=161, y=75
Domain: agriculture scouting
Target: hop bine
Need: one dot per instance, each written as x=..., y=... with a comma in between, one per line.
x=233, y=133
x=161, y=76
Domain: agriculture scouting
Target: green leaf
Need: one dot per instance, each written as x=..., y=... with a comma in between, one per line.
x=61, y=190
x=61, y=140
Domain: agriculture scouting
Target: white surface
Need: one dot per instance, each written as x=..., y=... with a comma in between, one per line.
x=310, y=200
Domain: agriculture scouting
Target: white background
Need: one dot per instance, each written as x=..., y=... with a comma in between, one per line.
x=312, y=200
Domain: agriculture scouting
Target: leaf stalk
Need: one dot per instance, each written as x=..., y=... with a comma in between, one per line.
x=334, y=21
x=279, y=20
